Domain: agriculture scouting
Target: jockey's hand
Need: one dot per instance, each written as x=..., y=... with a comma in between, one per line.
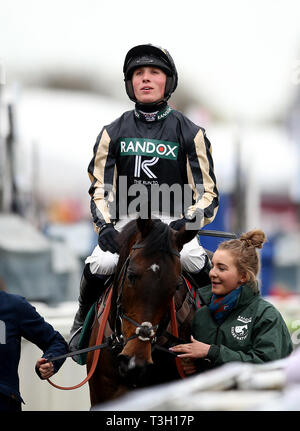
x=45, y=370
x=108, y=239
x=195, y=349
x=178, y=224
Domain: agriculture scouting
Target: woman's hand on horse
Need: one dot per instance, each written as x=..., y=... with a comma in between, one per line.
x=46, y=370
x=195, y=349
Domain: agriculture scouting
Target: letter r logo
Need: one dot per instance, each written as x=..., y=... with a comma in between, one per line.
x=144, y=166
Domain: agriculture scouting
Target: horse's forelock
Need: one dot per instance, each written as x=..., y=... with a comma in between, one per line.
x=158, y=239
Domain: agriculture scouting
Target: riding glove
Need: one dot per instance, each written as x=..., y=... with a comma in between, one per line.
x=108, y=238
x=178, y=224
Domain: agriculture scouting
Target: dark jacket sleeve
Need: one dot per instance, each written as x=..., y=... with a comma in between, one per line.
x=35, y=329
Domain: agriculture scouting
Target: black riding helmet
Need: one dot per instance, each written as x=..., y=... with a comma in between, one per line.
x=150, y=55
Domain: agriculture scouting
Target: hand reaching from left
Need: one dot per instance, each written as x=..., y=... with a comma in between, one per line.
x=46, y=369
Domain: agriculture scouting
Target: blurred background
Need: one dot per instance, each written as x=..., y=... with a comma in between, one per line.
x=61, y=80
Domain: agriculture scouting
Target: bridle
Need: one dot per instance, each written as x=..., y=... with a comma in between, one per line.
x=145, y=331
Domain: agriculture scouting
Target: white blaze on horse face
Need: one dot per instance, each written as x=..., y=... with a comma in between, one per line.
x=154, y=267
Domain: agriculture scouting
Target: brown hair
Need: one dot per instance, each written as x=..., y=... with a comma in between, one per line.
x=244, y=252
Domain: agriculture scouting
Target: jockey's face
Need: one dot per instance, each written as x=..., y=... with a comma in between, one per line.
x=149, y=84
x=224, y=274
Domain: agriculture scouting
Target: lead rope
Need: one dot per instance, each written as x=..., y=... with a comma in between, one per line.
x=174, y=328
x=96, y=353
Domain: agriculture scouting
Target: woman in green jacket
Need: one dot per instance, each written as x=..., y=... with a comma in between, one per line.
x=236, y=323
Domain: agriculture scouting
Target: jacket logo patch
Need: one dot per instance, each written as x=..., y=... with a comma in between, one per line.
x=153, y=148
x=240, y=332
x=244, y=319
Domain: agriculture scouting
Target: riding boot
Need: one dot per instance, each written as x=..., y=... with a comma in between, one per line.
x=91, y=286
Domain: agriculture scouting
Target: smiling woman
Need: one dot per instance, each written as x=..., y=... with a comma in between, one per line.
x=224, y=274
x=236, y=323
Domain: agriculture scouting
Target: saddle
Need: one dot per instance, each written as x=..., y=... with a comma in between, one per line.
x=95, y=311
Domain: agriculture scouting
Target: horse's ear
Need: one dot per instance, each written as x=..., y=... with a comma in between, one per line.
x=183, y=236
x=144, y=226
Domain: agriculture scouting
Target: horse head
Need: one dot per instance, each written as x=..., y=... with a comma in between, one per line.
x=149, y=272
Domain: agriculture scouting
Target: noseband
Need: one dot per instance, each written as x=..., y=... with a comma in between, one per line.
x=145, y=331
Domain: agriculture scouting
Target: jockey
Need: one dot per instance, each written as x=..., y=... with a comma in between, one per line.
x=152, y=150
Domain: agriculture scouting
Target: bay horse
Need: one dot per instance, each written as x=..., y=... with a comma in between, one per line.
x=147, y=277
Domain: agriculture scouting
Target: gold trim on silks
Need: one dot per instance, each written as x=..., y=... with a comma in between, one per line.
x=208, y=195
x=98, y=173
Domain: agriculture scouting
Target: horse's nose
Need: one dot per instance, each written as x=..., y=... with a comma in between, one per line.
x=123, y=364
x=127, y=363
x=133, y=371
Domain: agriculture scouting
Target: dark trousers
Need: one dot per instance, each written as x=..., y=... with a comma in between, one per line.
x=8, y=404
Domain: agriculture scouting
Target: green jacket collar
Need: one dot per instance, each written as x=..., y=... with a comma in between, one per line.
x=205, y=294
x=248, y=291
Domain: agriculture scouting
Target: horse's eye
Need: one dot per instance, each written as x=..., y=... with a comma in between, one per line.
x=131, y=277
